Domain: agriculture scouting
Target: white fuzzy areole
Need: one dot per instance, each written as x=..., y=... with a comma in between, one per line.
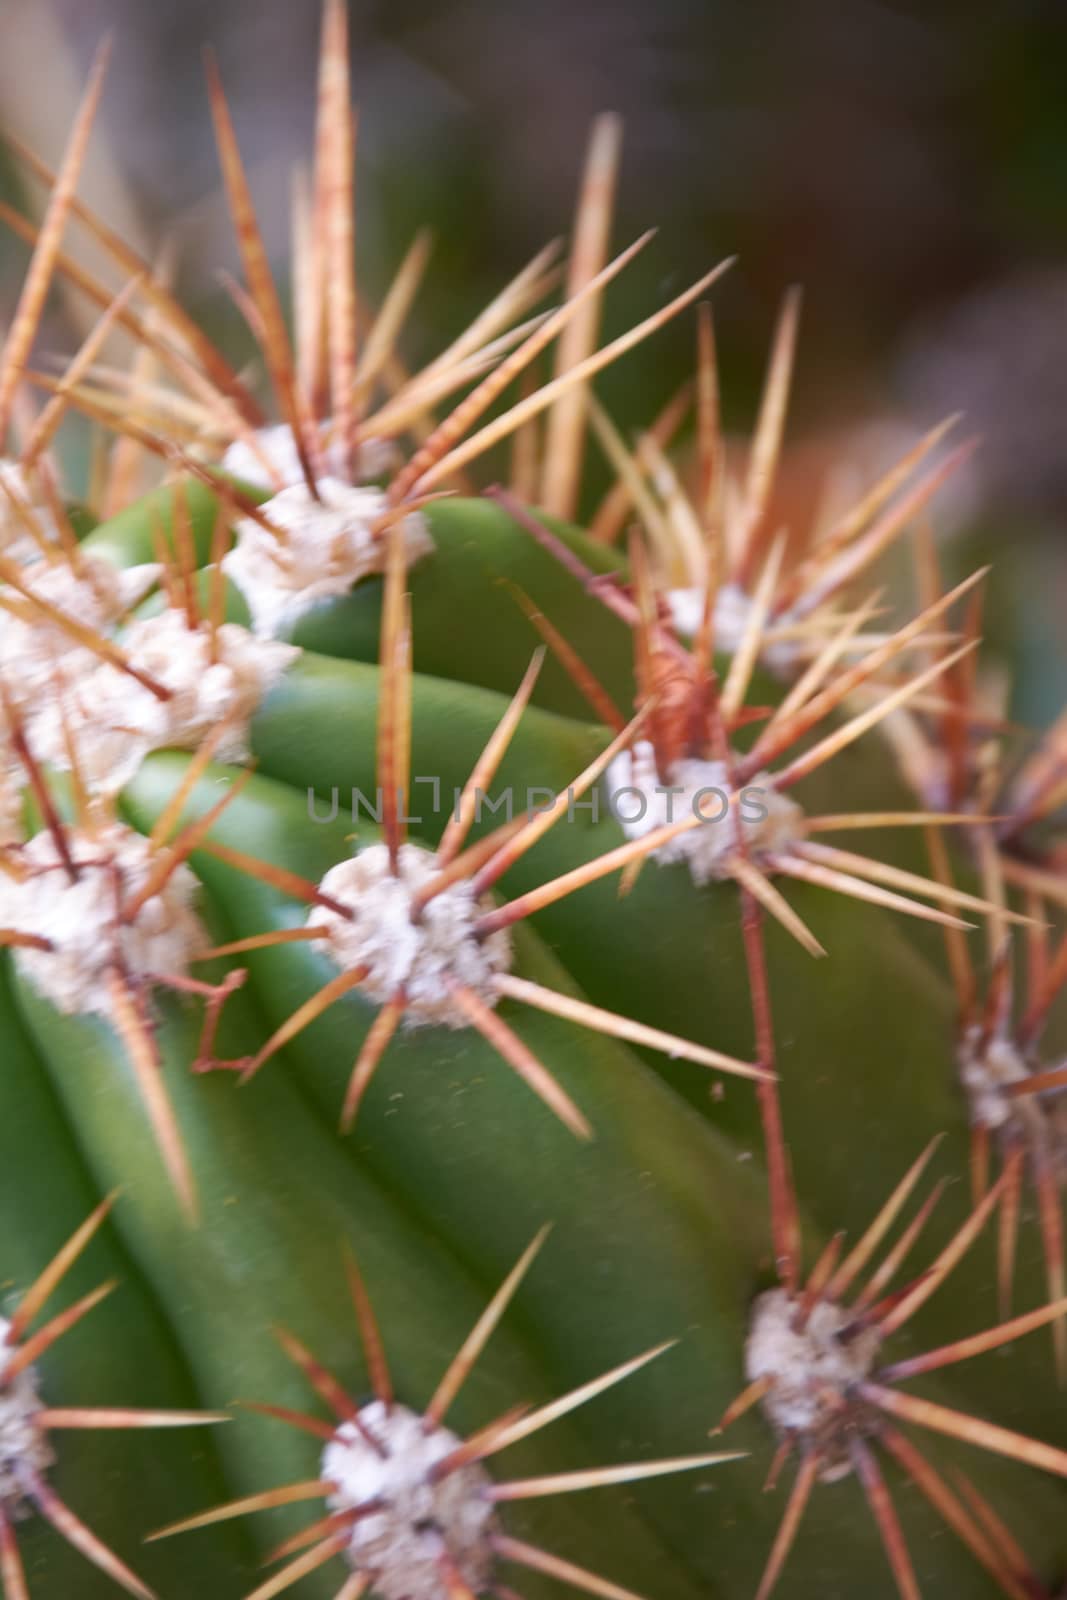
x=707, y=848
x=733, y=609
x=17, y=543
x=36, y=653
x=80, y=919
x=423, y=958
x=24, y=1447
x=274, y=462
x=811, y=1370
x=687, y=611
x=399, y=1547
x=986, y=1069
x=323, y=548
x=116, y=720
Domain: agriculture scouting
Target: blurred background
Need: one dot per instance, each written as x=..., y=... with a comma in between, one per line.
x=906, y=163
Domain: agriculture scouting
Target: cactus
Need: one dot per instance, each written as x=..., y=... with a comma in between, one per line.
x=428, y=1098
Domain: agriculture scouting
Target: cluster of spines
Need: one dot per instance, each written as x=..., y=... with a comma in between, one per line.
x=331, y=1536
x=20, y=1348
x=705, y=542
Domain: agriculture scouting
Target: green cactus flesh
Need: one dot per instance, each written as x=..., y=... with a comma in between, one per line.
x=330, y=1079
x=659, y=1222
